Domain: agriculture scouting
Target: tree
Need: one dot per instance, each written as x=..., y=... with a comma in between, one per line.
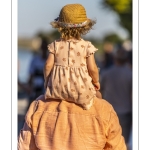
x=124, y=9
x=114, y=38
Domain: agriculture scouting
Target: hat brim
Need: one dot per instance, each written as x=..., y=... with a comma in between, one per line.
x=58, y=24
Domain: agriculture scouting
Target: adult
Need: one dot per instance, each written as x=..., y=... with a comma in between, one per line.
x=116, y=88
x=57, y=124
x=36, y=77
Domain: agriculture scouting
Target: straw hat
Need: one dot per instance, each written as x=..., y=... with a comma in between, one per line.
x=72, y=15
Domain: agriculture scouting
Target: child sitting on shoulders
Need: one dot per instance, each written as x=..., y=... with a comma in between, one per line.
x=70, y=71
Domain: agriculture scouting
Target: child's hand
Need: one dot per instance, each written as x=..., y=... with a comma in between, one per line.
x=98, y=94
x=97, y=86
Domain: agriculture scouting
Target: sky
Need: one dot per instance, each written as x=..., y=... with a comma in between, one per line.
x=34, y=16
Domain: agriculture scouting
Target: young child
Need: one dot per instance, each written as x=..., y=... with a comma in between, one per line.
x=70, y=71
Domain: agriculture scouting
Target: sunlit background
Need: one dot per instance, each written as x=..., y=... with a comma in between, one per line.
x=114, y=23
x=113, y=29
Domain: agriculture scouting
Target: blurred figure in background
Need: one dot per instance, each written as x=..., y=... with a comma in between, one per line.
x=36, y=77
x=22, y=87
x=130, y=58
x=127, y=45
x=108, y=58
x=116, y=88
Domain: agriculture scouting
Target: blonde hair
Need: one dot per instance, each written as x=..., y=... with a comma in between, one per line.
x=67, y=33
x=73, y=22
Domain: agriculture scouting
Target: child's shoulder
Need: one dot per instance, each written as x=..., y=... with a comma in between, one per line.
x=86, y=41
x=89, y=44
x=57, y=40
x=54, y=43
x=73, y=40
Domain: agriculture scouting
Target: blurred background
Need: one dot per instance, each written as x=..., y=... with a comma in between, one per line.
x=112, y=35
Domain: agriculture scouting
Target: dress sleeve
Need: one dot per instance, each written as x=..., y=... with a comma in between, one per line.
x=51, y=47
x=114, y=138
x=90, y=49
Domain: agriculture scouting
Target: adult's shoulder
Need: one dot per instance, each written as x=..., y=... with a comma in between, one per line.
x=102, y=103
x=103, y=108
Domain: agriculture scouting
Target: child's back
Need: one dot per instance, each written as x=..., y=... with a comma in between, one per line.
x=69, y=78
x=69, y=72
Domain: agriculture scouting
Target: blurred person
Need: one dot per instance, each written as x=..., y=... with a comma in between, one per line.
x=130, y=142
x=108, y=58
x=54, y=123
x=129, y=61
x=127, y=45
x=130, y=58
x=22, y=86
x=116, y=88
x=36, y=77
x=22, y=89
x=70, y=72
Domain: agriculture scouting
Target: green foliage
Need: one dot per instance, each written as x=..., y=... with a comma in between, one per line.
x=114, y=38
x=124, y=9
x=49, y=36
x=120, y=6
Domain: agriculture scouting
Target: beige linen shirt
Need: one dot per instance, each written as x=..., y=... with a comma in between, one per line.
x=61, y=125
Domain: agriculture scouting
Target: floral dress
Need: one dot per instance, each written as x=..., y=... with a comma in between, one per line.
x=69, y=79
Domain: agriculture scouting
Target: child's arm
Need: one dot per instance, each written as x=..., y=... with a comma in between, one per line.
x=48, y=67
x=93, y=71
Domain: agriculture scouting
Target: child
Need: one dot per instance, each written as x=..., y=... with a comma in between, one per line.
x=70, y=71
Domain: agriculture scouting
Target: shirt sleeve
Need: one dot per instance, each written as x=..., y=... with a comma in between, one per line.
x=91, y=49
x=26, y=139
x=51, y=47
x=114, y=140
